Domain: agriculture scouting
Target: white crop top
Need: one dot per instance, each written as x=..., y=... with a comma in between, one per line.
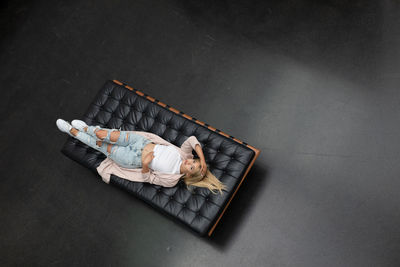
x=166, y=159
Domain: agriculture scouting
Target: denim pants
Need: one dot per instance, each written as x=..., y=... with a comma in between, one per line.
x=126, y=151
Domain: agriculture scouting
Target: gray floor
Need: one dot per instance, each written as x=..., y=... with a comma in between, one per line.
x=314, y=86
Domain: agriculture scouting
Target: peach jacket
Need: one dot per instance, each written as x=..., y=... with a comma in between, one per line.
x=108, y=166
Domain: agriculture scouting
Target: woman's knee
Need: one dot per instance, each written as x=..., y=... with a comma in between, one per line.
x=108, y=135
x=114, y=136
x=101, y=134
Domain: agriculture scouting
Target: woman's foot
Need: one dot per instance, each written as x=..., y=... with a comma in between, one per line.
x=80, y=125
x=65, y=127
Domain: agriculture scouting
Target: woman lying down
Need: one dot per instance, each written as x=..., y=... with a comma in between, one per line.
x=144, y=157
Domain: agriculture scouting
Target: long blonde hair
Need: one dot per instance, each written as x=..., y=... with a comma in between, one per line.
x=208, y=181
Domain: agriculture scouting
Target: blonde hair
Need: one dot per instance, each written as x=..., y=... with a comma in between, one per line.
x=208, y=181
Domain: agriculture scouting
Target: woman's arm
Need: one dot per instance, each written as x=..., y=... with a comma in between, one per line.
x=145, y=168
x=190, y=144
x=203, y=163
x=199, y=152
x=146, y=161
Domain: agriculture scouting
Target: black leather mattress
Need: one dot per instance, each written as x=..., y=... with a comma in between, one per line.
x=121, y=107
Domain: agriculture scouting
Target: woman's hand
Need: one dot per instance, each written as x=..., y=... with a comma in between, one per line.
x=148, y=158
x=203, y=164
x=203, y=169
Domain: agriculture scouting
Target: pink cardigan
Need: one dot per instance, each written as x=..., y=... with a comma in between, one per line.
x=108, y=166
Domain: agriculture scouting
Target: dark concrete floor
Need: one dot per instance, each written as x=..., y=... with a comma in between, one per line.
x=314, y=86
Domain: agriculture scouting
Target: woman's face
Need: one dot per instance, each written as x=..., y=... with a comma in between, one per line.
x=191, y=166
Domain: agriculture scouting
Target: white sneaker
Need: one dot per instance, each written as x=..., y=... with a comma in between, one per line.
x=80, y=125
x=64, y=126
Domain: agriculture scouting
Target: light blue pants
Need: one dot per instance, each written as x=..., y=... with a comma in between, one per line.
x=126, y=151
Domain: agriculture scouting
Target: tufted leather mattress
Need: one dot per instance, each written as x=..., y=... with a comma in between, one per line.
x=121, y=107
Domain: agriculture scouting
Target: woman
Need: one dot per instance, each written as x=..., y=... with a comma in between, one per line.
x=144, y=157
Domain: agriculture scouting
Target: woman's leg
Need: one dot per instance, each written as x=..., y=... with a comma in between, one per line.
x=91, y=141
x=126, y=156
x=114, y=136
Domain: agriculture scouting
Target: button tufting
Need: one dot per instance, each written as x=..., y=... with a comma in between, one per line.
x=171, y=197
